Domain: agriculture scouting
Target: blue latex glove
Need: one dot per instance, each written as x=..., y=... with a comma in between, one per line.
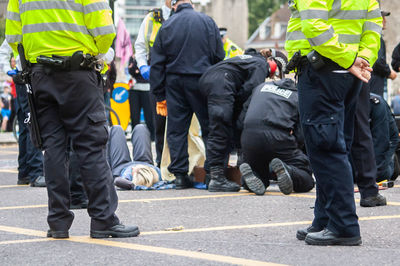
x=145, y=72
x=12, y=72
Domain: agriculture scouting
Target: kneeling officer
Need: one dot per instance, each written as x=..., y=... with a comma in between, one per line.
x=69, y=103
x=272, y=138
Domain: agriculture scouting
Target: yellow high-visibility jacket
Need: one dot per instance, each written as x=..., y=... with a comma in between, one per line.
x=59, y=27
x=340, y=30
x=231, y=49
x=151, y=29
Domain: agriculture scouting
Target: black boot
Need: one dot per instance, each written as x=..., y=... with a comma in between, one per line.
x=183, y=181
x=219, y=183
x=285, y=182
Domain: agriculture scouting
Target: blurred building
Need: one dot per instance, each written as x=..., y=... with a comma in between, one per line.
x=272, y=31
x=132, y=12
x=230, y=14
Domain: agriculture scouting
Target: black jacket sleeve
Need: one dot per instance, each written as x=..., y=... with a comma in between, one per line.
x=257, y=75
x=396, y=58
x=157, y=70
x=380, y=67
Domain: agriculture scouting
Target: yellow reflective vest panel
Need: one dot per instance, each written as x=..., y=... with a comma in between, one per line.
x=151, y=30
x=231, y=49
x=337, y=29
x=59, y=27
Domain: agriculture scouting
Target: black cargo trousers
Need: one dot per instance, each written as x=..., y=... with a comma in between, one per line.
x=70, y=104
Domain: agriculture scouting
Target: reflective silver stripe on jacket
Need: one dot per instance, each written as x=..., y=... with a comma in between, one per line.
x=66, y=5
x=96, y=7
x=54, y=26
x=322, y=38
x=314, y=14
x=102, y=30
x=13, y=16
x=149, y=29
x=14, y=38
x=368, y=25
x=37, y=5
x=349, y=38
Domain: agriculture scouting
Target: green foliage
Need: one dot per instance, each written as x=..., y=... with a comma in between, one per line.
x=259, y=10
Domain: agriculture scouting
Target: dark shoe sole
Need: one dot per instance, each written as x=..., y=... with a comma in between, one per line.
x=300, y=235
x=253, y=183
x=210, y=189
x=57, y=234
x=285, y=183
x=108, y=234
x=372, y=204
x=346, y=241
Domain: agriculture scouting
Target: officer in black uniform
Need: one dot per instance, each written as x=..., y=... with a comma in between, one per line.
x=227, y=85
x=271, y=139
x=186, y=45
x=386, y=138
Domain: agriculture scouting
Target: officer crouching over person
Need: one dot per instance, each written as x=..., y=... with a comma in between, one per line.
x=227, y=85
x=272, y=140
x=63, y=49
x=385, y=136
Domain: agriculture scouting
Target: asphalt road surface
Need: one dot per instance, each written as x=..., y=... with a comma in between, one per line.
x=189, y=227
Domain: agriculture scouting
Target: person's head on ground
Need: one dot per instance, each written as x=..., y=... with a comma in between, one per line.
x=176, y=3
x=223, y=33
x=143, y=175
x=277, y=62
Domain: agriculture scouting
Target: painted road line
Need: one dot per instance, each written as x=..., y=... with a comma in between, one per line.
x=224, y=228
x=171, y=251
x=12, y=171
x=8, y=186
x=26, y=241
x=138, y=247
x=188, y=198
x=22, y=231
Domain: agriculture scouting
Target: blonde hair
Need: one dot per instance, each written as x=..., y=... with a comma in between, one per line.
x=145, y=176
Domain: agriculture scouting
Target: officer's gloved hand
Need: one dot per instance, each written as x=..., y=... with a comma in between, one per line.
x=12, y=72
x=145, y=72
x=161, y=108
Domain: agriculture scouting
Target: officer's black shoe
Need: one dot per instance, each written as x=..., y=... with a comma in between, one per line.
x=302, y=233
x=39, y=182
x=219, y=183
x=328, y=238
x=373, y=201
x=23, y=181
x=118, y=230
x=253, y=183
x=183, y=182
x=57, y=234
x=79, y=205
x=285, y=182
x=123, y=183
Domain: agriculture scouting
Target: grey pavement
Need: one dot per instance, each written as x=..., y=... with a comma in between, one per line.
x=189, y=227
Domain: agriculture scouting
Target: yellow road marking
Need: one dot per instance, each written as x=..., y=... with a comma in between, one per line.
x=223, y=228
x=9, y=171
x=22, y=231
x=171, y=251
x=8, y=186
x=26, y=241
x=188, y=198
